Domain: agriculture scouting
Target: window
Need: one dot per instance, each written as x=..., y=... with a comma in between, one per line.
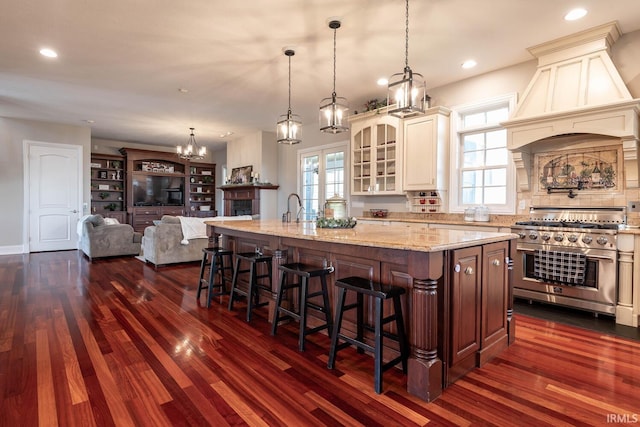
x=483, y=172
x=322, y=175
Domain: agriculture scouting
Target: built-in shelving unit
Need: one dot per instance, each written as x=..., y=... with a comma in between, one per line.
x=108, y=186
x=160, y=183
x=202, y=189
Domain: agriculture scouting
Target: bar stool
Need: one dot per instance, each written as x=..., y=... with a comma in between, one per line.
x=379, y=292
x=254, y=259
x=214, y=259
x=304, y=272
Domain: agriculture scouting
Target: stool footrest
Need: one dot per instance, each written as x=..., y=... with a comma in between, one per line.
x=355, y=342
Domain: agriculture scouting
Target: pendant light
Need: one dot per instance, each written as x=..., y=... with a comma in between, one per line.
x=289, y=128
x=191, y=151
x=333, y=110
x=406, y=89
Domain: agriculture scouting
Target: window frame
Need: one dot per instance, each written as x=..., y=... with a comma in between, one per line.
x=321, y=151
x=456, y=151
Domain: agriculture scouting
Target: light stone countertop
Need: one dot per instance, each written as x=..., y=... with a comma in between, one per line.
x=399, y=235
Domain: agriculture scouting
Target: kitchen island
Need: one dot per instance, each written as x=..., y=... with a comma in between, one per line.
x=458, y=305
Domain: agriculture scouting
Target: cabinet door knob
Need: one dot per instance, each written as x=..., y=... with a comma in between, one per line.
x=496, y=262
x=457, y=268
x=468, y=271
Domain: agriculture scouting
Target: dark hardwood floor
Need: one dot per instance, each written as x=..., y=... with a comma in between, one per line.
x=119, y=343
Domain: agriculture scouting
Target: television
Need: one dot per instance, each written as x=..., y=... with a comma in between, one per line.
x=151, y=190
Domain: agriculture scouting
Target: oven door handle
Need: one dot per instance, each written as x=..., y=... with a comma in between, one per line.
x=601, y=257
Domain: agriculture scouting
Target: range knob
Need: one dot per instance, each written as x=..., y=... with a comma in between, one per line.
x=602, y=240
x=545, y=236
x=587, y=239
x=533, y=236
x=559, y=237
x=522, y=234
x=573, y=238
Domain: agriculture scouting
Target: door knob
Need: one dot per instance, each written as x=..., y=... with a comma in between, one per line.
x=496, y=262
x=74, y=211
x=468, y=271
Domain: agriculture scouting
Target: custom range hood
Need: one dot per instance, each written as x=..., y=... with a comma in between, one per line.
x=576, y=90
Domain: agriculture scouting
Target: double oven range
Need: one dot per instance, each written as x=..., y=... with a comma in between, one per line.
x=569, y=256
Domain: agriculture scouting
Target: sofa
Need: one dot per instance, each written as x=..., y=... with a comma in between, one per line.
x=99, y=239
x=164, y=243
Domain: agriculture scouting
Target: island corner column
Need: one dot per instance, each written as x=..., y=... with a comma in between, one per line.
x=425, y=370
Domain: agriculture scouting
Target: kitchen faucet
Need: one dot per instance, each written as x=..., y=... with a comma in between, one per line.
x=287, y=216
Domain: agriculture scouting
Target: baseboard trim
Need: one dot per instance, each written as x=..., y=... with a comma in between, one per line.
x=12, y=250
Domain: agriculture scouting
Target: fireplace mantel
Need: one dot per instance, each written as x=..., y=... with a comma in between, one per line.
x=243, y=199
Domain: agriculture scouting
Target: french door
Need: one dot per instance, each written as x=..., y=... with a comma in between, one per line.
x=322, y=176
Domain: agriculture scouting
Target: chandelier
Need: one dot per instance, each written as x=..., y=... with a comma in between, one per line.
x=289, y=127
x=406, y=89
x=191, y=151
x=333, y=110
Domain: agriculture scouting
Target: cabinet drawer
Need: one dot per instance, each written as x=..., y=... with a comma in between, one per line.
x=172, y=211
x=146, y=211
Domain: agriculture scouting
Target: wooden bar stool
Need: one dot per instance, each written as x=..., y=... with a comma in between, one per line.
x=304, y=272
x=252, y=293
x=379, y=292
x=214, y=259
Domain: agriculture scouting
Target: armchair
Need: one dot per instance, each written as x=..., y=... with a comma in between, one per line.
x=98, y=239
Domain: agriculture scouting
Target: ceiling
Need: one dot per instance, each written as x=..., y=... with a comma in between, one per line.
x=121, y=63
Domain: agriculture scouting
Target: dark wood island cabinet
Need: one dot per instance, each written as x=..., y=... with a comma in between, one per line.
x=457, y=305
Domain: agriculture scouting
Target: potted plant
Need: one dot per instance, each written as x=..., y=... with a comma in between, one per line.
x=103, y=195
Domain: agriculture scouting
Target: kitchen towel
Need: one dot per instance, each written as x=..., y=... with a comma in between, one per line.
x=563, y=267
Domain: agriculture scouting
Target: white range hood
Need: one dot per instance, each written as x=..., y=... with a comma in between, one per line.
x=575, y=90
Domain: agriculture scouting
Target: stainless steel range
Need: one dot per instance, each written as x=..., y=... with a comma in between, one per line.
x=569, y=256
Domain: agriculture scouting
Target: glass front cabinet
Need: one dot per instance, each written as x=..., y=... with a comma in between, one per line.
x=376, y=144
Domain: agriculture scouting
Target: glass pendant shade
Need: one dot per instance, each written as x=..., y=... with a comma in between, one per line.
x=289, y=127
x=333, y=116
x=191, y=150
x=406, y=94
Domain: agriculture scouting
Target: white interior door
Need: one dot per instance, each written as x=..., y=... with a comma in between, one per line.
x=54, y=196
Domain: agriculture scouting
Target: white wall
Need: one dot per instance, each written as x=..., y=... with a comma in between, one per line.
x=12, y=134
x=259, y=150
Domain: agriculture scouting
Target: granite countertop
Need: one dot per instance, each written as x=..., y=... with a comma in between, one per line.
x=400, y=235
x=504, y=221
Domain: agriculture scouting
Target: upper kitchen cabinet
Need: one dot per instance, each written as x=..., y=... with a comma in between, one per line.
x=426, y=151
x=376, y=153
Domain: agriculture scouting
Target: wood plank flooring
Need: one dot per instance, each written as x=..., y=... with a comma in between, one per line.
x=117, y=342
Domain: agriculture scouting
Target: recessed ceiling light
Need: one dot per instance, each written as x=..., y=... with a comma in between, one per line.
x=183, y=90
x=225, y=134
x=469, y=63
x=383, y=81
x=575, y=14
x=88, y=121
x=49, y=53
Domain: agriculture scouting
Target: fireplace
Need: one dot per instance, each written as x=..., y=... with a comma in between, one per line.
x=241, y=207
x=243, y=199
